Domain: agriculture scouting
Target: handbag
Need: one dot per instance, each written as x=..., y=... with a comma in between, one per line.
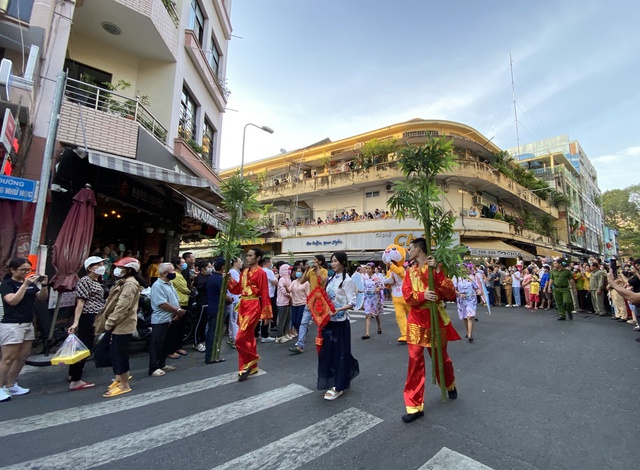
x=72, y=350
x=102, y=351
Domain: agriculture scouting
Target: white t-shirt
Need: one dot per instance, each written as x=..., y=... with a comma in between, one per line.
x=517, y=279
x=271, y=277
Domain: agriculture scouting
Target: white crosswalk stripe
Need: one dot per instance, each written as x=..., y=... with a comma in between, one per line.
x=309, y=443
x=57, y=418
x=128, y=445
x=446, y=459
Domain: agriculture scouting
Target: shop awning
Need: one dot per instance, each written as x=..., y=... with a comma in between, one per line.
x=542, y=251
x=199, y=188
x=192, y=209
x=201, y=211
x=495, y=249
x=202, y=252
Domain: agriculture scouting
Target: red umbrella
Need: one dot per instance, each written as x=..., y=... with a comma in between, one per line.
x=9, y=214
x=74, y=241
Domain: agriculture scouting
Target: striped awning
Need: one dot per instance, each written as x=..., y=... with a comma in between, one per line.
x=194, y=186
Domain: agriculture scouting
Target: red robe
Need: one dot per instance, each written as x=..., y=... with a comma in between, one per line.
x=419, y=332
x=255, y=305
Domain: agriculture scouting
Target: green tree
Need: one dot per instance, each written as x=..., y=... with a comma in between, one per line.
x=621, y=209
x=239, y=199
x=419, y=195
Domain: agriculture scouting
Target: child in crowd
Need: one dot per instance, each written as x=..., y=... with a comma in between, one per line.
x=534, y=293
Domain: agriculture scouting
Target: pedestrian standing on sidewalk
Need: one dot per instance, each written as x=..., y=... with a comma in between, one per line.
x=507, y=283
x=283, y=301
x=214, y=291
x=545, y=295
x=516, y=283
x=89, y=303
x=417, y=294
x=534, y=293
x=166, y=309
x=200, y=285
x=19, y=292
x=597, y=284
x=176, y=328
x=255, y=305
x=118, y=321
x=466, y=300
x=559, y=280
x=336, y=366
x=526, y=286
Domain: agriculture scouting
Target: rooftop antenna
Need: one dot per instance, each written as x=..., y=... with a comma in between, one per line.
x=515, y=111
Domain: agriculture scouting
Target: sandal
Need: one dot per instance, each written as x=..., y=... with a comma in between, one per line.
x=173, y=356
x=332, y=394
x=83, y=386
x=158, y=373
x=366, y=337
x=182, y=352
x=114, y=392
x=296, y=350
x=379, y=331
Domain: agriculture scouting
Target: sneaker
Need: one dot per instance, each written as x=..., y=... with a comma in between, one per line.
x=4, y=395
x=268, y=339
x=17, y=390
x=200, y=347
x=507, y=305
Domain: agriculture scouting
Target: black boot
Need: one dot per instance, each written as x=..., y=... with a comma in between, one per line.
x=409, y=417
x=453, y=394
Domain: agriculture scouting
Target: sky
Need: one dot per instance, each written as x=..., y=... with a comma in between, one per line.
x=311, y=70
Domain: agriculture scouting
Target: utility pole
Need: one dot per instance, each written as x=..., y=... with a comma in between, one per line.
x=45, y=173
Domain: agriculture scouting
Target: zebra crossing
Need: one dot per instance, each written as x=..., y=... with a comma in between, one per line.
x=310, y=442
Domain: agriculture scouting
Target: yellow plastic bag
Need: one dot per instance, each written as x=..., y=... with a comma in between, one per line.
x=72, y=350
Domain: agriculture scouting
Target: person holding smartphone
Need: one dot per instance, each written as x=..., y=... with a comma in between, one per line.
x=19, y=290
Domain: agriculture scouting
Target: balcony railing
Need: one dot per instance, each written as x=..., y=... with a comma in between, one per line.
x=170, y=5
x=97, y=98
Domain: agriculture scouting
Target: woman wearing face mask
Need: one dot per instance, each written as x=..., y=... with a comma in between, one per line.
x=90, y=302
x=174, y=336
x=119, y=320
x=299, y=293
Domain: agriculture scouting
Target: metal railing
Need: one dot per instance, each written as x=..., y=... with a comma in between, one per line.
x=101, y=99
x=170, y=6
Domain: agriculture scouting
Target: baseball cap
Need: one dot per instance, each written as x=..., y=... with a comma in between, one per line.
x=93, y=260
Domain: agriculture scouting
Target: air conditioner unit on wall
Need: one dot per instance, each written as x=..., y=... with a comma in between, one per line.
x=479, y=201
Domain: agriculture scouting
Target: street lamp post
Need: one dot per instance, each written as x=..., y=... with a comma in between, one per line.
x=244, y=133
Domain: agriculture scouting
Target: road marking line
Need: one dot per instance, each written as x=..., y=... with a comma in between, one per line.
x=95, y=410
x=309, y=443
x=112, y=450
x=446, y=459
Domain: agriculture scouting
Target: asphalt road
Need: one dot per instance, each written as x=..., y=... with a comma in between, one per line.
x=533, y=393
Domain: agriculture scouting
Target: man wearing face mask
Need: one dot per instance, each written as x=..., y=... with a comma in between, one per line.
x=166, y=308
x=90, y=302
x=188, y=268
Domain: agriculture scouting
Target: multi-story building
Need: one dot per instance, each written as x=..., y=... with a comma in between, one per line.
x=311, y=187
x=565, y=165
x=140, y=115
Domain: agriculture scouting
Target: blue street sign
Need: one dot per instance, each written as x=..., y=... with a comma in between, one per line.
x=17, y=189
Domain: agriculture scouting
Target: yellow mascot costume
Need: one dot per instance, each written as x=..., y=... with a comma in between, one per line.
x=394, y=257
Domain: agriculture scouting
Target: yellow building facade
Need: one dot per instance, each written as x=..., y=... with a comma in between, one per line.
x=315, y=188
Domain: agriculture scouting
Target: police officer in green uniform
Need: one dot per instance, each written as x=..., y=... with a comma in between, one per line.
x=560, y=281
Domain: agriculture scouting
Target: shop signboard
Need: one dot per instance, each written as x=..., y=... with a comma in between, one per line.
x=367, y=241
x=8, y=130
x=17, y=189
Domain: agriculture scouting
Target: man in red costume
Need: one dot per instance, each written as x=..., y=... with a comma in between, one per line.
x=416, y=294
x=255, y=305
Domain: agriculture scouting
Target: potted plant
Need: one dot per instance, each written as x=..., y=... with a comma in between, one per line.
x=149, y=228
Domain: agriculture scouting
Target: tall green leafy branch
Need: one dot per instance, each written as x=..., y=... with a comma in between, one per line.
x=239, y=199
x=419, y=196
